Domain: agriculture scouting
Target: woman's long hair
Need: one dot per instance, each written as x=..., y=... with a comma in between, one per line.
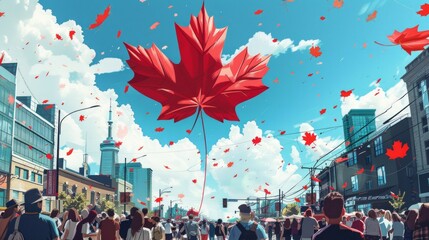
x=72, y=215
x=294, y=224
x=78, y=233
x=372, y=214
x=137, y=222
x=54, y=213
x=411, y=219
x=388, y=215
x=423, y=219
x=287, y=223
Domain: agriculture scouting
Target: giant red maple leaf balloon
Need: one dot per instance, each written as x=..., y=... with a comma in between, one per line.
x=399, y=150
x=199, y=81
x=309, y=138
x=410, y=39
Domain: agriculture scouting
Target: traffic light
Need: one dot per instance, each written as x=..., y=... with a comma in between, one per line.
x=224, y=202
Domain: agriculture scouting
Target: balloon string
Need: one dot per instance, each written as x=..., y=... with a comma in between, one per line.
x=198, y=114
x=205, y=162
x=384, y=45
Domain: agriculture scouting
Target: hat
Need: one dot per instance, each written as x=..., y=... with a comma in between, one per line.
x=244, y=208
x=33, y=196
x=12, y=203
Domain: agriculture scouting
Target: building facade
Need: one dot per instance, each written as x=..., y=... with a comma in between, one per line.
x=109, y=151
x=7, y=113
x=417, y=80
x=357, y=125
x=368, y=176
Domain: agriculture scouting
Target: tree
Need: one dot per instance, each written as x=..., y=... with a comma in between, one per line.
x=106, y=204
x=291, y=209
x=78, y=201
x=397, y=201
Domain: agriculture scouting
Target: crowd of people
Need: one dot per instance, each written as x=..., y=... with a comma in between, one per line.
x=89, y=225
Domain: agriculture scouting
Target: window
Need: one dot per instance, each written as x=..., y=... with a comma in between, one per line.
x=18, y=171
x=368, y=160
x=355, y=183
x=33, y=177
x=410, y=171
x=25, y=174
x=92, y=201
x=47, y=205
x=39, y=178
x=425, y=124
x=378, y=145
x=15, y=195
x=368, y=185
x=381, y=176
x=352, y=159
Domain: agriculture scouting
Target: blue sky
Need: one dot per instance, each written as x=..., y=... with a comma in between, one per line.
x=350, y=60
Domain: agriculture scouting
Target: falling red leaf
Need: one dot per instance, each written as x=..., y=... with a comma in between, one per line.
x=215, y=164
x=58, y=37
x=142, y=203
x=331, y=188
x=30, y=147
x=36, y=77
x=1, y=14
x=1, y=58
x=185, y=87
x=230, y=164
x=49, y=156
x=347, y=143
x=399, y=150
x=424, y=10
x=226, y=150
x=338, y=3
x=394, y=195
x=323, y=111
x=372, y=168
x=410, y=39
x=344, y=185
x=49, y=106
x=256, y=140
x=140, y=148
x=267, y=184
x=118, y=144
x=100, y=18
x=266, y=191
x=158, y=200
x=341, y=159
x=309, y=138
x=71, y=34
x=134, y=160
x=131, y=169
x=167, y=167
x=259, y=11
x=10, y=99
x=297, y=200
x=90, y=187
x=154, y=25
x=345, y=93
x=235, y=176
x=360, y=171
x=322, y=18
x=45, y=101
x=212, y=197
x=275, y=40
x=305, y=187
x=69, y=152
x=81, y=118
x=315, y=51
x=171, y=143
x=315, y=179
x=282, y=132
x=188, y=131
x=194, y=180
x=159, y=129
x=310, y=74
x=126, y=88
x=372, y=16
x=118, y=34
x=180, y=195
x=378, y=81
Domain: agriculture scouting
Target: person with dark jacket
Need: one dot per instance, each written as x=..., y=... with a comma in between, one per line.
x=126, y=224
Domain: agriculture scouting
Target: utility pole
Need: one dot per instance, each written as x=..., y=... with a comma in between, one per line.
x=280, y=203
x=312, y=171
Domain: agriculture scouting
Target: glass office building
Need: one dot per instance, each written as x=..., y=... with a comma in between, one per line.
x=109, y=151
x=357, y=126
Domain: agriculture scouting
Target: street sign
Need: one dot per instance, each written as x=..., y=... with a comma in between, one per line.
x=232, y=200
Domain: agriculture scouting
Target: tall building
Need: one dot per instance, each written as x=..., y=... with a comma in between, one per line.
x=140, y=178
x=33, y=142
x=416, y=78
x=109, y=151
x=353, y=122
x=7, y=107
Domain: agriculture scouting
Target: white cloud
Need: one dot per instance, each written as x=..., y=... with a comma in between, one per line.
x=294, y=154
x=262, y=43
x=380, y=100
x=108, y=65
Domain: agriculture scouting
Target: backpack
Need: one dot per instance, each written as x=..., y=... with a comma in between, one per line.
x=157, y=233
x=192, y=229
x=16, y=235
x=247, y=234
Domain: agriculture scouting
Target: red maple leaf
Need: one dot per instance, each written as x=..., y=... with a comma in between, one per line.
x=341, y=159
x=266, y=191
x=1, y=58
x=134, y=160
x=424, y=10
x=158, y=200
x=154, y=25
x=410, y=39
x=167, y=167
x=118, y=144
x=344, y=185
x=331, y=188
x=1, y=14
x=126, y=88
x=71, y=34
x=322, y=18
x=100, y=18
x=259, y=11
x=58, y=37
x=118, y=35
x=309, y=138
x=282, y=132
x=199, y=81
x=49, y=106
x=399, y=150
x=372, y=16
x=45, y=101
x=159, y=129
x=297, y=200
x=315, y=179
x=345, y=93
x=142, y=203
x=267, y=184
x=372, y=168
x=226, y=150
x=235, y=176
x=215, y=164
x=256, y=140
x=171, y=143
x=360, y=171
x=30, y=147
x=81, y=118
x=189, y=131
x=338, y=3
x=378, y=81
x=394, y=195
x=194, y=180
x=49, y=156
x=230, y=164
x=315, y=51
x=305, y=187
x=69, y=152
x=323, y=111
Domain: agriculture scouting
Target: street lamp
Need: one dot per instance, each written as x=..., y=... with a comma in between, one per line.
x=165, y=190
x=60, y=120
x=125, y=179
x=171, y=206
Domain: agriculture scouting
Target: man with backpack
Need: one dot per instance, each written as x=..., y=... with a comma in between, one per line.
x=158, y=231
x=192, y=229
x=246, y=229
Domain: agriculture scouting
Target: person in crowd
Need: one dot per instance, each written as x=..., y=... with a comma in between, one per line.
x=372, y=226
x=308, y=225
x=287, y=230
x=158, y=231
x=173, y=229
x=205, y=229
x=385, y=225
x=126, y=224
x=168, y=230
x=421, y=230
x=192, y=229
x=349, y=221
x=54, y=215
x=220, y=230
x=322, y=223
x=70, y=224
x=251, y=229
x=397, y=230
x=296, y=229
x=109, y=229
x=333, y=208
x=148, y=223
x=409, y=225
x=211, y=231
x=11, y=212
x=32, y=224
x=344, y=220
x=277, y=229
x=358, y=224
x=83, y=231
x=137, y=231
x=269, y=230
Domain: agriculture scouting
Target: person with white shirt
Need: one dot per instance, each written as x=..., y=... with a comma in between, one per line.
x=168, y=230
x=70, y=224
x=372, y=226
x=385, y=225
x=397, y=227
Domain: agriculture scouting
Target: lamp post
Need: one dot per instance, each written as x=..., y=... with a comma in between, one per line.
x=171, y=206
x=165, y=190
x=60, y=120
x=125, y=180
